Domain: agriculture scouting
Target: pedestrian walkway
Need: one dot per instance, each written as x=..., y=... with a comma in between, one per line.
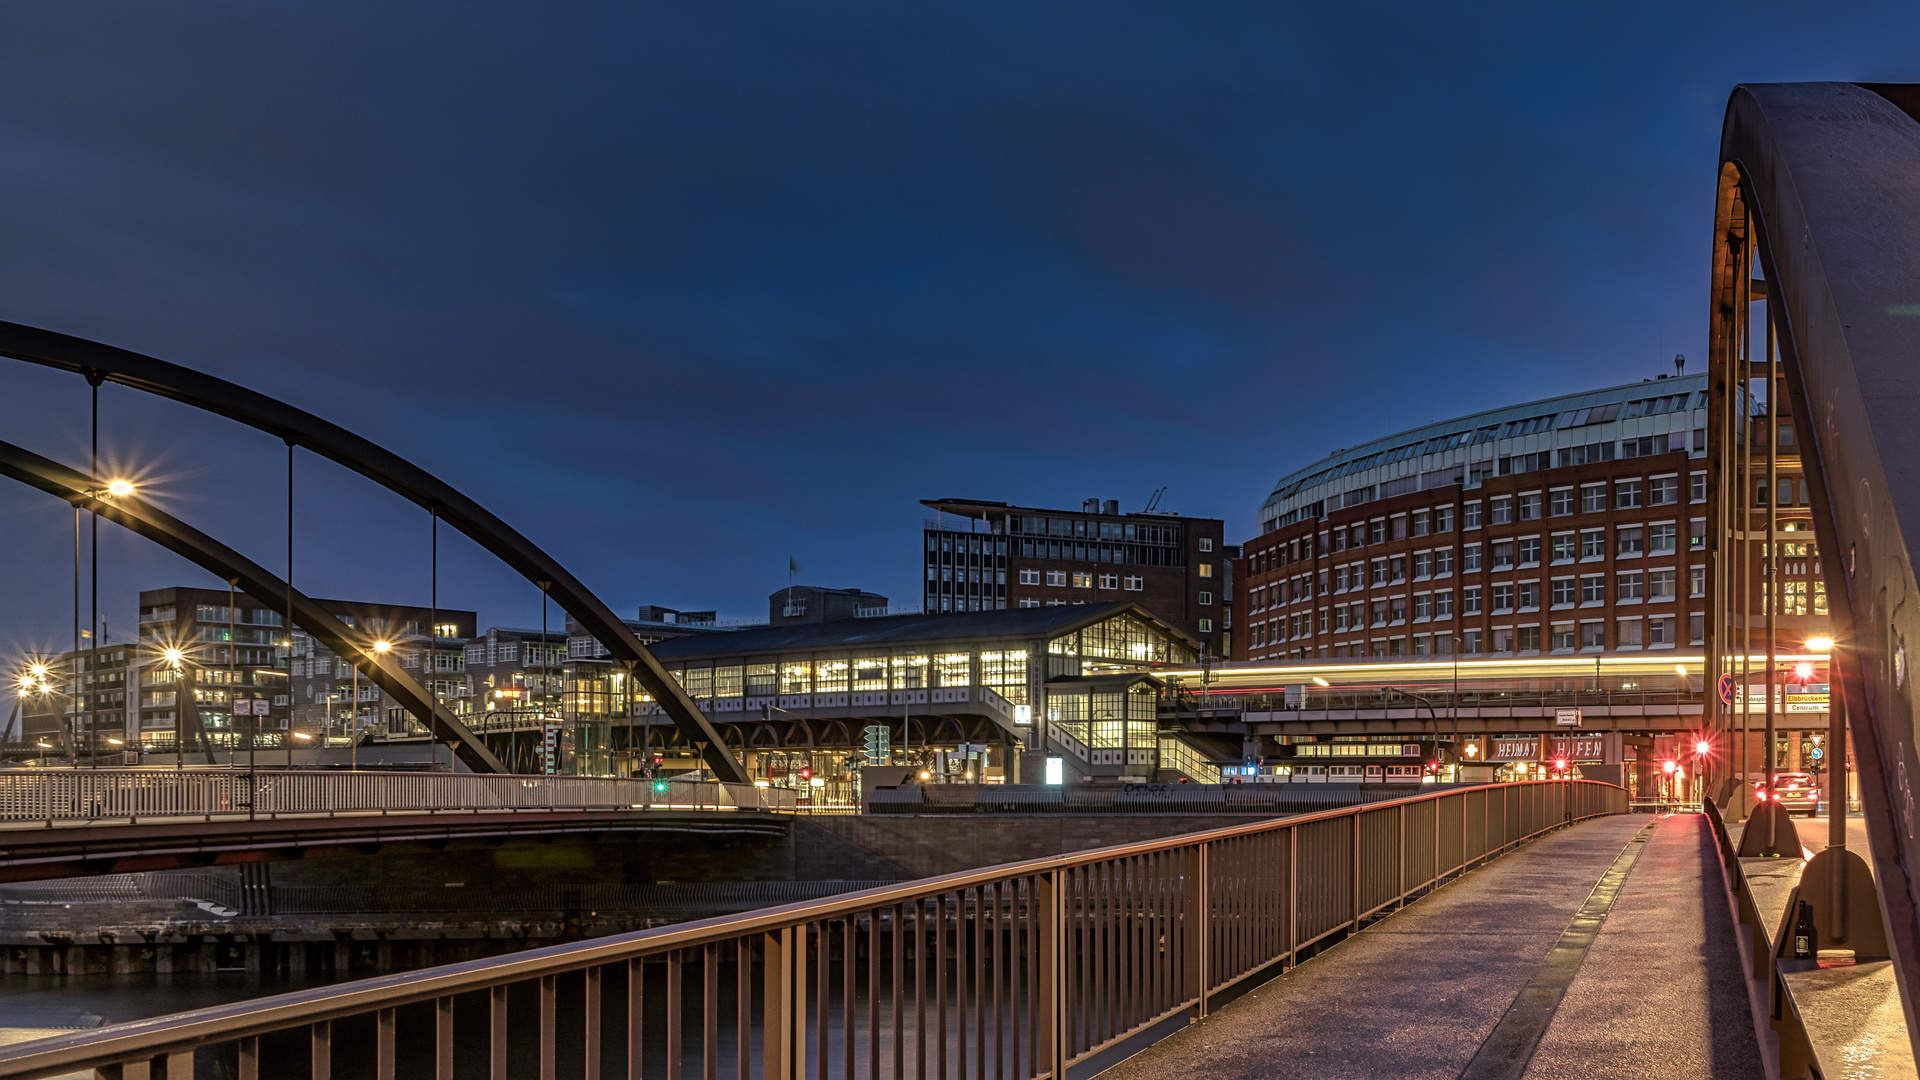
x=1659, y=991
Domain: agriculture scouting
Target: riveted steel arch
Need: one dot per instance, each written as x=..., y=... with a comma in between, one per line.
x=1818, y=213
x=396, y=474
x=143, y=518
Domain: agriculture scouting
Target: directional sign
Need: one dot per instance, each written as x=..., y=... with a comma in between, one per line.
x=1566, y=717
x=1726, y=689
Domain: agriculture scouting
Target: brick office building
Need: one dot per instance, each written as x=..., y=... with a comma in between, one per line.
x=983, y=556
x=1575, y=525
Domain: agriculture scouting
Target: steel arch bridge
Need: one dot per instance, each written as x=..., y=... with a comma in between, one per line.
x=101, y=363
x=1816, y=291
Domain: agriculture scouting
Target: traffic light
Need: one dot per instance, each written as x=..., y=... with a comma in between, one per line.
x=659, y=787
x=1668, y=767
x=1560, y=765
x=1803, y=672
x=806, y=772
x=1433, y=768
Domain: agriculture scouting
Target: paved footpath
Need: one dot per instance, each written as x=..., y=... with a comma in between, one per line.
x=1417, y=994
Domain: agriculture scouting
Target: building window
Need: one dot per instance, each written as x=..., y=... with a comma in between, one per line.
x=1530, y=507
x=1500, y=510
x=1502, y=598
x=1421, y=522
x=1663, y=491
x=1563, y=547
x=1029, y=577
x=1470, y=642
x=1697, y=535
x=1109, y=581
x=1626, y=494
x=1626, y=634
x=1563, y=637
x=1442, y=562
x=1631, y=540
x=1529, y=639
x=1057, y=578
x=1470, y=600
x=1028, y=601
x=1593, y=543
x=1422, y=565
x=1530, y=551
x=1502, y=639
x=1377, y=531
x=1627, y=588
x=1530, y=595
x=1593, y=589
x=1206, y=543
x=1379, y=571
x=1697, y=628
x=1082, y=580
x=1132, y=583
x=1696, y=581
x=1593, y=498
x=1660, y=631
x=1423, y=605
x=1560, y=502
x=1206, y=569
x=1470, y=563
x=1206, y=626
x=1443, y=604
x=1399, y=567
x=1206, y=599
x=1564, y=592
x=1443, y=519
x=1660, y=584
x=1379, y=613
x=1503, y=555
x=1420, y=644
x=1663, y=539
x=1471, y=518
x=1698, y=484
x=1593, y=635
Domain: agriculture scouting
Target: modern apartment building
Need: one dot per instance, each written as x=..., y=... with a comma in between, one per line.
x=983, y=556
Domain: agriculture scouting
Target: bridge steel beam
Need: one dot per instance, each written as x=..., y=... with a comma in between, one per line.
x=141, y=517
x=300, y=428
x=1826, y=176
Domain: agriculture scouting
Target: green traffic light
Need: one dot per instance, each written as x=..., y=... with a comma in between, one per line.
x=659, y=785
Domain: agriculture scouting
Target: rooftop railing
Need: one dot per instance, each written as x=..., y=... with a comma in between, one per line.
x=1014, y=971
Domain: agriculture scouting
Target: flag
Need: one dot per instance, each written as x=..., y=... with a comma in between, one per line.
x=792, y=567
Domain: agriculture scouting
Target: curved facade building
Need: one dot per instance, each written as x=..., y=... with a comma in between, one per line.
x=1571, y=525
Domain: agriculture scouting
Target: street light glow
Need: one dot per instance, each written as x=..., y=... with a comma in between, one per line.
x=382, y=646
x=174, y=656
x=1318, y=681
x=1820, y=644
x=119, y=487
x=1702, y=748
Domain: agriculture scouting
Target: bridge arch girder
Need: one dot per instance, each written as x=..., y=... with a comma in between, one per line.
x=398, y=475
x=144, y=519
x=1819, y=193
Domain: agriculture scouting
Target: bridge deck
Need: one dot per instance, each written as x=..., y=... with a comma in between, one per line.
x=1660, y=991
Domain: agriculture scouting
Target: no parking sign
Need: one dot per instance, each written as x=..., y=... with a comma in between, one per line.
x=1726, y=689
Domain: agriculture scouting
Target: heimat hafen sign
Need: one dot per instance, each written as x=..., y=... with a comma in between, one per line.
x=1546, y=748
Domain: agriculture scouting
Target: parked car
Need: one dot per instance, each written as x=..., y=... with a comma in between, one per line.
x=1797, y=791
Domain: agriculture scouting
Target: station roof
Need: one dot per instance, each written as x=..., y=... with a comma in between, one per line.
x=1023, y=623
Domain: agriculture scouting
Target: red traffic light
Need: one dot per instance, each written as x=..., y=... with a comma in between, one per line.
x=1702, y=748
x=806, y=774
x=1560, y=764
x=1433, y=766
x=1803, y=672
x=1668, y=767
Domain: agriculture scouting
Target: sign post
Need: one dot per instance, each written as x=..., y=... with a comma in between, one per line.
x=1566, y=718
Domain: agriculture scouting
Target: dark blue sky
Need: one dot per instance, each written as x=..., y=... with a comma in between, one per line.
x=682, y=290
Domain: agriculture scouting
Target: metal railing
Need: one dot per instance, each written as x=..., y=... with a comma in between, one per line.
x=52, y=795
x=1004, y=973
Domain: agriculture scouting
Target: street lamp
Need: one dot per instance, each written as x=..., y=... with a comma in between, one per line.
x=1821, y=644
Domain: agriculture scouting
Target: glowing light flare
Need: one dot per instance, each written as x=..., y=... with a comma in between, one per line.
x=1318, y=681
x=1820, y=644
x=382, y=646
x=1803, y=671
x=121, y=488
x=1702, y=748
x=1668, y=767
